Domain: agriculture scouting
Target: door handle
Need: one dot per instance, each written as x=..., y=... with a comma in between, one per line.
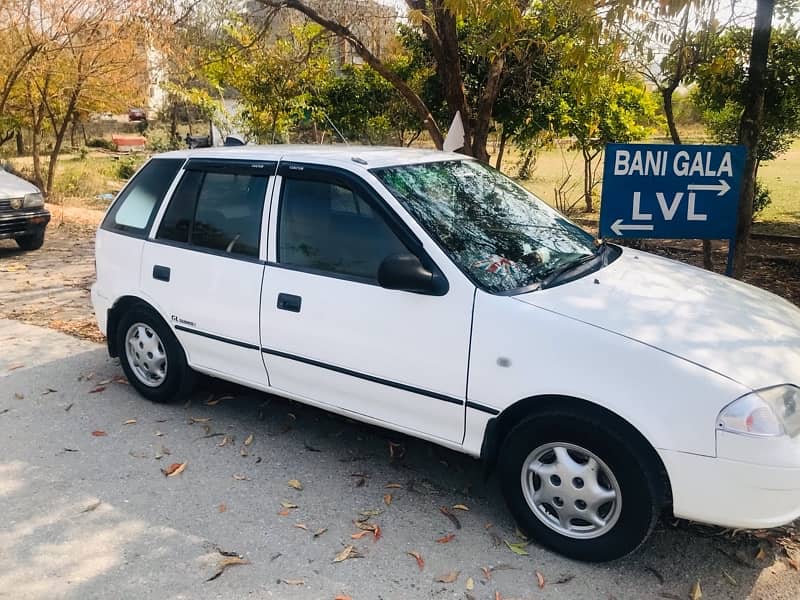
x=161, y=273
x=289, y=302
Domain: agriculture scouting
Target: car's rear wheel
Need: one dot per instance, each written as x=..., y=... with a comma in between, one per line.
x=30, y=241
x=151, y=355
x=580, y=486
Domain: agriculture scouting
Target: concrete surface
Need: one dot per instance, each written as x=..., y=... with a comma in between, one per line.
x=88, y=516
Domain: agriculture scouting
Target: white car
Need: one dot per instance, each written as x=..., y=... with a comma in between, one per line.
x=427, y=293
x=23, y=216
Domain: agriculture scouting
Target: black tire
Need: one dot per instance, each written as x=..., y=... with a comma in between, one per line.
x=179, y=378
x=30, y=241
x=639, y=476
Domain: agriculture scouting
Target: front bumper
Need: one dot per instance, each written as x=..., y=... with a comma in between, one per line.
x=732, y=493
x=19, y=222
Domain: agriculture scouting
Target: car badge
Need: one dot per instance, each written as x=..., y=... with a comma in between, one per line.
x=16, y=203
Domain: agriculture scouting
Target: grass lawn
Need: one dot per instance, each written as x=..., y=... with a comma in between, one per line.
x=781, y=176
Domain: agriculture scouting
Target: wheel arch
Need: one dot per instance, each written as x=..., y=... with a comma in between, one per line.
x=119, y=308
x=499, y=427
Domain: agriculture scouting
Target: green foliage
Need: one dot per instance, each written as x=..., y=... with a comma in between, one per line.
x=762, y=198
x=100, y=143
x=722, y=88
x=126, y=167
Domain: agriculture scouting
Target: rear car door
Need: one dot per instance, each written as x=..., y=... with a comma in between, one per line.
x=332, y=335
x=204, y=265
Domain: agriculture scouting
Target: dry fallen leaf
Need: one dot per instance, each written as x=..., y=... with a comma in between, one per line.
x=696, y=593
x=174, y=469
x=449, y=577
x=222, y=508
x=487, y=573
x=301, y=526
x=283, y=513
x=248, y=440
x=293, y=483
x=387, y=499
x=419, y=559
x=342, y=597
x=130, y=422
x=228, y=562
x=157, y=433
x=761, y=555
x=540, y=579
x=293, y=581
x=98, y=389
x=729, y=578
x=446, y=512
x=19, y=396
x=15, y=367
x=393, y=486
x=320, y=531
x=92, y=506
x=286, y=504
x=193, y=420
x=243, y=451
x=470, y=584
x=225, y=439
x=359, y=535
x=498, y=596
x=461, y=506
x=212, y=401
x=120, y=380
x=349, y=551
x=446, y=539
x=99, y=433
x=240, y=477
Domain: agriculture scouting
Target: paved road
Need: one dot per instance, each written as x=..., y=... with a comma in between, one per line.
x=89, y=516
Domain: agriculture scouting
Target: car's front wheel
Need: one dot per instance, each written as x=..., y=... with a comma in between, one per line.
x=151, y=355
x=580, y=486
x=30, y=241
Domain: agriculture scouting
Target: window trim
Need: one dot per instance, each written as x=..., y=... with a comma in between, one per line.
x=143, y=233
x=226, y=166
x=336, y=175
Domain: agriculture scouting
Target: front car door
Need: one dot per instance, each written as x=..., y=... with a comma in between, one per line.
x=332, y=336
x=204, y=265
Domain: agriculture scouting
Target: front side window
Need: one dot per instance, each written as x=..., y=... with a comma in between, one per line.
x=216, y=211
x=135, y=208
x=498, y=233
x=328, y=227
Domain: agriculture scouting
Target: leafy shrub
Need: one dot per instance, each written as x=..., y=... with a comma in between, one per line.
x=761, y=199
x=127, y=167
x=100, y=143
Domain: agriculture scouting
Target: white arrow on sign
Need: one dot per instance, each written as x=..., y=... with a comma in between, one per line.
x=722, y=188
x=617, y=227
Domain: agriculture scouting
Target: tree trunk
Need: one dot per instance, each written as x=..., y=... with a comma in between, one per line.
x=750, y=129
x=502, y=149
x=587, y=181
x=20, y=143
x=525, y=167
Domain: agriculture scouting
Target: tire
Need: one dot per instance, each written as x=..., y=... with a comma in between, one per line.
x=31, y=241
x=551, y=447
x=157, y=346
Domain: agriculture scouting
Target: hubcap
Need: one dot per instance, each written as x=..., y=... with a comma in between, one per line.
x=571, y=490
x=146, y=355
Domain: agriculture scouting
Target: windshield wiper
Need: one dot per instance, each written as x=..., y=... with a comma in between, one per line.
x=556, y=274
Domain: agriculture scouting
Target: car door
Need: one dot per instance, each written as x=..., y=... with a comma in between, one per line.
x=332, y=336
x=204, y=265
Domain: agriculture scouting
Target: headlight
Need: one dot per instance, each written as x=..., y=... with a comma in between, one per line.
x=33, y=200
x=769, y=412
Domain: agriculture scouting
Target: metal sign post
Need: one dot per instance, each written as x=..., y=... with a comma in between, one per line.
x=671, y=191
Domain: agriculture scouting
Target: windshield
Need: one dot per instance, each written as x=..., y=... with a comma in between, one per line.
x=494, y=230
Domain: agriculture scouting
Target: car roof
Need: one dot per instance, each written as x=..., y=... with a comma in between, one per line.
x=368, y=157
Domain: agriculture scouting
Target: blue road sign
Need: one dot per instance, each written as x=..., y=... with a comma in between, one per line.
x=669, y=191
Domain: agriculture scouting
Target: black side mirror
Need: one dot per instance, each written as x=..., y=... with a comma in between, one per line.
x=406, y=272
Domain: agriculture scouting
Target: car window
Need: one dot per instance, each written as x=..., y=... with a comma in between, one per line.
x=216, y=211
x=135, y=208
x=328, y=227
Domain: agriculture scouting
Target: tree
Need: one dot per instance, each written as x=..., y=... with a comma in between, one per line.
x=600, y=104
x=438, y=21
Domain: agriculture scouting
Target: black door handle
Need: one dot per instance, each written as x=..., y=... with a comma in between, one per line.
x=161, y=273
x=289, y=302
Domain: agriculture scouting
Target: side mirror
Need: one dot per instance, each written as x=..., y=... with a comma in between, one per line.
x=406, y=272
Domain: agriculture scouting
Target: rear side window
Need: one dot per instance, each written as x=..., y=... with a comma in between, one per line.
x=216, y=211
x=135, y=208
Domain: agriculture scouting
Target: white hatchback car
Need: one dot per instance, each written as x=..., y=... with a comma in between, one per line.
x=427, y=293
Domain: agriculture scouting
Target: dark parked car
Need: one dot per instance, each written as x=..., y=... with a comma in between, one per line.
x=22, y=213
x=137, y=114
